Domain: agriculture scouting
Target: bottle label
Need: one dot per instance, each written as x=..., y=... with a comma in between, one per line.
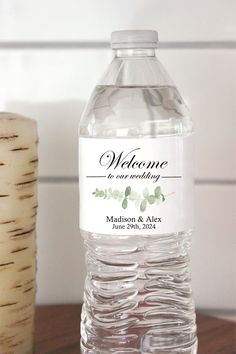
x=136, y=186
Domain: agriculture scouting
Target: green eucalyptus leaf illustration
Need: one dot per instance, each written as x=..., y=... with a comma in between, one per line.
x=127, y=191
x=133, y=196
x=143, y=205
x=145, y=193
x=124, y=203
x=151, y=199
x=115, y=194
x=141, y=202
x=158, y=200
x=157, y=192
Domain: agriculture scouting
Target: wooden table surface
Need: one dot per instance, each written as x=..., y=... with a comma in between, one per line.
x=57, y=332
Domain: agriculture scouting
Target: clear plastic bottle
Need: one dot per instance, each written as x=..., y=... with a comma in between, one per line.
x=136, y=186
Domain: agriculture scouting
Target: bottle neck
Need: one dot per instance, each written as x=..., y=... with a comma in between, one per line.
x=134, y=52
x=135, y=67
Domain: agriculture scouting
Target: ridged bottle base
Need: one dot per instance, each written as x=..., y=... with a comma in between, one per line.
x=138, y=297
x=189, y=350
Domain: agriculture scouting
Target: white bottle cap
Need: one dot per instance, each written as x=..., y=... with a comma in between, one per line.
x=134, y=39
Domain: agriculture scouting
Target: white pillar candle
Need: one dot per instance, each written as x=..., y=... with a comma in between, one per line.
x=18, y=209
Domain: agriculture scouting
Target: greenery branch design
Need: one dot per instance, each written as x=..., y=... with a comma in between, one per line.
x=140, y=201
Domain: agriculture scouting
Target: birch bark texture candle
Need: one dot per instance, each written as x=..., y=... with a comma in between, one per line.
x=18, y=209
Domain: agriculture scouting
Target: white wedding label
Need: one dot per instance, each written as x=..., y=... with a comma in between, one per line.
x=136, y=186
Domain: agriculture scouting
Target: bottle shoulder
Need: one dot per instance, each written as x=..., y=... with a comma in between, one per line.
x=135, y=111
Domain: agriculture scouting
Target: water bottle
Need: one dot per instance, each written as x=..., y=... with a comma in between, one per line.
x=136, y=207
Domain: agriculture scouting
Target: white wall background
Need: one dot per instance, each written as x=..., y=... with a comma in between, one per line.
x=51, y=55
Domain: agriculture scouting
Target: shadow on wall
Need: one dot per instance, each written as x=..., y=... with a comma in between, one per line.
x=61, y=268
